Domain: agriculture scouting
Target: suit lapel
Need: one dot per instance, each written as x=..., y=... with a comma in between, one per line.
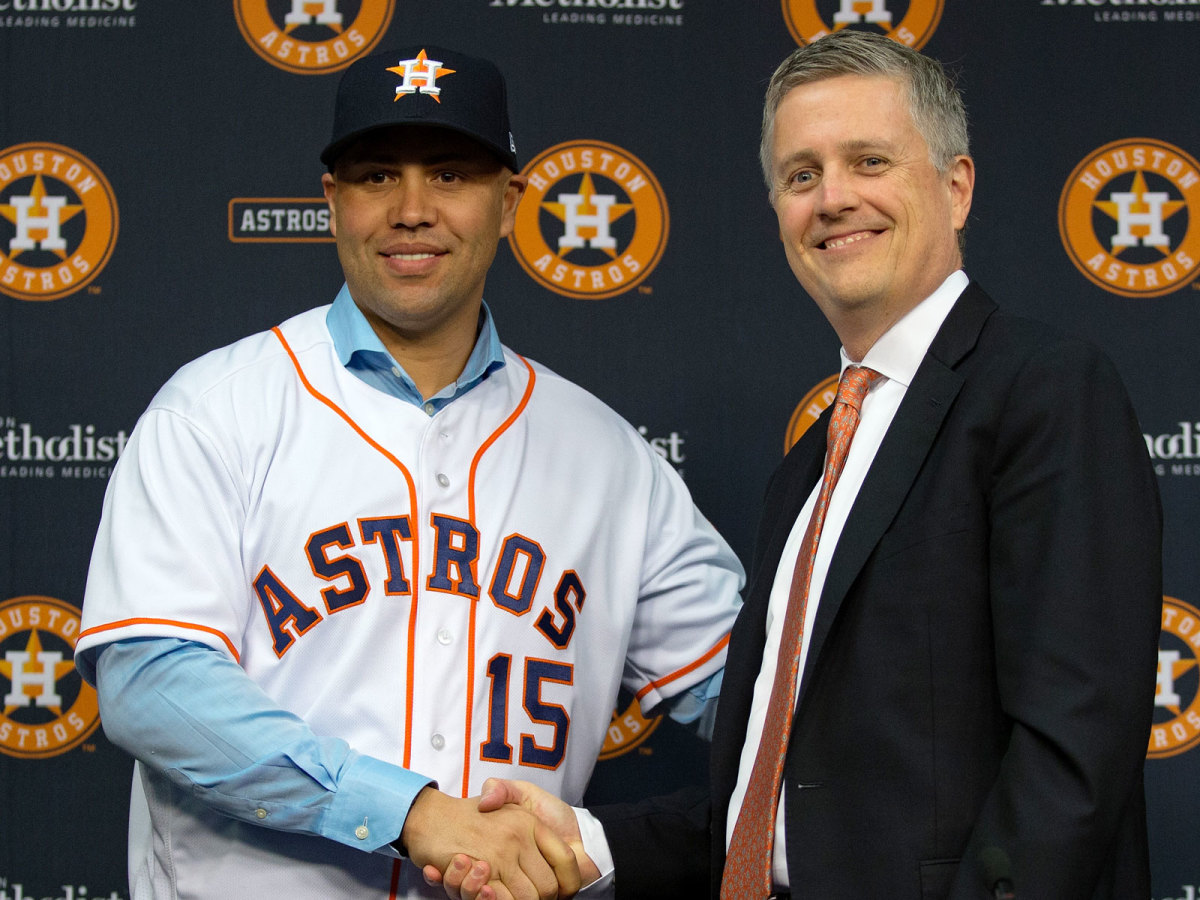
x=786, y=493
x=905, y=446
x=797, y=477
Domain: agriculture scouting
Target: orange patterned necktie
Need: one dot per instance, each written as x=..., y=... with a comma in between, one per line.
x=748, y=863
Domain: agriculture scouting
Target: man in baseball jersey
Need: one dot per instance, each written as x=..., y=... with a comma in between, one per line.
x=351, y=567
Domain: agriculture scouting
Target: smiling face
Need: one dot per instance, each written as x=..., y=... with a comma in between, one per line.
x=867, y=222
x=417, y=213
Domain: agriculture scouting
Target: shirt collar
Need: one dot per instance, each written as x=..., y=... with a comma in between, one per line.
x=900, y=349
x=361, y=351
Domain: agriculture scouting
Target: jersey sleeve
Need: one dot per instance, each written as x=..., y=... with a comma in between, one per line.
x=688, y=596
x=167, y=561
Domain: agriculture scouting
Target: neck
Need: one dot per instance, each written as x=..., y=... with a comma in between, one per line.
x=859, y=337
x=432, y=360
x=858, y=328
x=431, y=370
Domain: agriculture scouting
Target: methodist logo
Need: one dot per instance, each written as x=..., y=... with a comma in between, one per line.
x=1128, y=217
x=809, y=410
x=58, y=221
x=1176, y=726
x=313, y=38
x=593, y=222
x=911, y=23
x=46, y=708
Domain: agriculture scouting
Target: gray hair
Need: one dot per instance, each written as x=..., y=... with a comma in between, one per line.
x=933, y=99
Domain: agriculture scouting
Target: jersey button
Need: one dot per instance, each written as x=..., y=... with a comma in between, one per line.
x=260, y=813
x=437, y=741
x=443, y=479
x=361, y=832
x=429, y=409
x=444, y=637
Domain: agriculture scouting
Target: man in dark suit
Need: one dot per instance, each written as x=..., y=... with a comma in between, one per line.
x=974, y=675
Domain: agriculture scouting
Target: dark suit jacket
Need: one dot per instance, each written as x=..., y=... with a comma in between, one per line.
x=983, y=658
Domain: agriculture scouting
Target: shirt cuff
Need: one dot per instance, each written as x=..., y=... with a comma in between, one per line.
x=372, y=801
x=595, y=845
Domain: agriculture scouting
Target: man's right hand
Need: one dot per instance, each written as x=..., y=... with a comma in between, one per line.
x=468, y=878
x=526, y=860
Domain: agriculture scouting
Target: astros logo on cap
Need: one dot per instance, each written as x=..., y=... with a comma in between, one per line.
x=911, y=23
x=593, y=222
x=1128, y=217
x=313, y=38
x=46, y=708
x=58, y=221
x=1176, y=726
x=809, y=410
x=420, y=76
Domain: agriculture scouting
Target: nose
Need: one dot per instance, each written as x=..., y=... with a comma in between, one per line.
x=411, y=202
x=838, y=194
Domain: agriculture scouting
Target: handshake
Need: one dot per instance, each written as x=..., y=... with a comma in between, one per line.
x=513, y=842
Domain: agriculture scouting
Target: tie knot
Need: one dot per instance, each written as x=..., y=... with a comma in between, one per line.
x=855, y=383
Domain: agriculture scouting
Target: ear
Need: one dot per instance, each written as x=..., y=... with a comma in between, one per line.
x=961, y=183
x=514, y=190
x=329, y=185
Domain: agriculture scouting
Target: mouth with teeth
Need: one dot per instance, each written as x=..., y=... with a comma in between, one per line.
x=412, y=261
x=844, y=240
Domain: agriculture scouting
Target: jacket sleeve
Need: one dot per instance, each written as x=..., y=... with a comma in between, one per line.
x=661, y=846
x=1075, y=585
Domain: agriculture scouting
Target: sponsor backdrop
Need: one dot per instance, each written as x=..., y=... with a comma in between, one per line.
x=159, y=197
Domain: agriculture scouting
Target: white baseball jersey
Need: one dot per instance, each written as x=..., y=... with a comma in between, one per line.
x=461, y=595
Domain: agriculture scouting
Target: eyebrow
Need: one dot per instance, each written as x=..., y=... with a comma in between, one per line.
x=860, y=145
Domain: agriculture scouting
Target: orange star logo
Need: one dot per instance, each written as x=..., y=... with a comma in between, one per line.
x=1141, y=206
x=1177, y=668
x=1176, y=727
x=39, y=210
x=33, y=664
x=588, y=207
x=420, y=77
x=46, y=708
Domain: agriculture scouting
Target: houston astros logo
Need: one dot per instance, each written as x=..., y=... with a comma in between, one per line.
x=911, y=23
x=1128, y=217
x=46, y=708
x=313, y=38
x=58, y=221
x=809, y=410
x=420, y=76
x=628, y=728
x=593, y=222
x=1177, y=697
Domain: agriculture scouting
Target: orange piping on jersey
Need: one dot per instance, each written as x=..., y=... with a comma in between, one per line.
x=483, y=448
x=467, y=749
x=124, y=623
x=416, y=538
x=667, y=679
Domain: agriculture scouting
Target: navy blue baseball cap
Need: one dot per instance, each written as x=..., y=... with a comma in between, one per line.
x=423, y=85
